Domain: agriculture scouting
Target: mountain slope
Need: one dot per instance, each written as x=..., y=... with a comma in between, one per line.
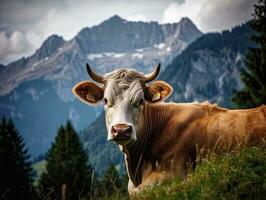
x=237, y=175
x=208, y=69
x=36, y=91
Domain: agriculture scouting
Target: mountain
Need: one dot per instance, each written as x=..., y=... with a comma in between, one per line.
x=208, y=69
x=1, y=66
x=49, y=47
x=36, y=91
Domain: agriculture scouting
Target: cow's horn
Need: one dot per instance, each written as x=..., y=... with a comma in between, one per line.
x=94, y=76
x=151, y=76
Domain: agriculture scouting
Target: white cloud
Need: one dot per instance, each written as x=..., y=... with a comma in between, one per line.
x=137, y=18
x=174, y=12
x=13, y=47
x=219, y=15
x=42, y=29
x=215, y=15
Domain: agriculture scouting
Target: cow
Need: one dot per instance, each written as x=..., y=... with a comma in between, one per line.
x=159, y=139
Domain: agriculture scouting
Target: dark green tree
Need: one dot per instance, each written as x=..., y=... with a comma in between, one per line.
x=67, y=173
x=15, y=168
x=254, y=76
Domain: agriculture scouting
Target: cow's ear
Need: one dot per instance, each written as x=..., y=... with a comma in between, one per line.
x=88, y=92
x=158, y=91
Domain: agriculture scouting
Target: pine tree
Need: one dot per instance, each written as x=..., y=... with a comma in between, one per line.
x=67, y=173
x=254, y=76
x=15, y=168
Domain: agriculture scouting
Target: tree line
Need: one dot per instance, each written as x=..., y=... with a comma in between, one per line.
x=68, y=174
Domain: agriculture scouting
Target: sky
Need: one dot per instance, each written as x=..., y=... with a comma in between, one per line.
x=25, y=24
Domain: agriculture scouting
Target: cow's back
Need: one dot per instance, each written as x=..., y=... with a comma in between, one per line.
x=227, y=129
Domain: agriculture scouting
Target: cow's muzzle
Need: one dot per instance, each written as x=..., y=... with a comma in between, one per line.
x=121, y=133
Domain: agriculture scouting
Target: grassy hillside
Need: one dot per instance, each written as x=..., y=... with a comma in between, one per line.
x=238, y=175
x=241, y=175
x=39, y=168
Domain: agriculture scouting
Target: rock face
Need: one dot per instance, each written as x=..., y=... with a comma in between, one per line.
x=49, y=47
x=134, y=36
x=130, y=36
x=2, y=66
x=36, y=91
x=208, y=69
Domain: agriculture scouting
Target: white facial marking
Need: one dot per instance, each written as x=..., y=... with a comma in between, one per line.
x=125, y=106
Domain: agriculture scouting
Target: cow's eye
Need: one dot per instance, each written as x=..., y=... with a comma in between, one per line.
x=105, y=101
x=141, y=101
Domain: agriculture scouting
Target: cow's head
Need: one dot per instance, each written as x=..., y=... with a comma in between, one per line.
x=124, y=93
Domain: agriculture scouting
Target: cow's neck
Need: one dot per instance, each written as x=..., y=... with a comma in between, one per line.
x=153, y=120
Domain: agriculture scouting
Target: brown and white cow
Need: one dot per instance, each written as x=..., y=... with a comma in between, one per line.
x=159, y=139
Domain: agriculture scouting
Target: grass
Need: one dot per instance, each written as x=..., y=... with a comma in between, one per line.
x=237, y=175
x=39, y=168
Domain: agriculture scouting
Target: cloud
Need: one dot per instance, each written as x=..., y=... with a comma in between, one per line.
x=23, y=15
x=215, y=15
x=174, y=12
x=13, y=46
x=137, y=18
x=44, y=28
x=219, y=15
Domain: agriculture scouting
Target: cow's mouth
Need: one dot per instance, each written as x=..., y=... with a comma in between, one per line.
x=122, y=141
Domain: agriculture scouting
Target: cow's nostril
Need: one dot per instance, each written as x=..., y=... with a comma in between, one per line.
x=128, y=131
x=114, y=131
x=121, y=131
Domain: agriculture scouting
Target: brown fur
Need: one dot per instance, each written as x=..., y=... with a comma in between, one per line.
x=176, y=132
